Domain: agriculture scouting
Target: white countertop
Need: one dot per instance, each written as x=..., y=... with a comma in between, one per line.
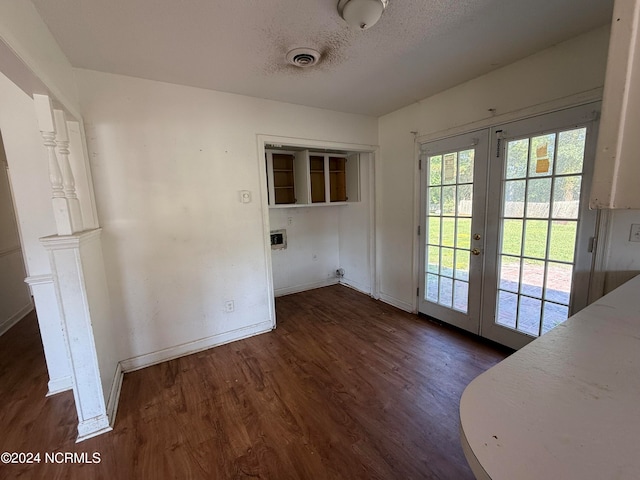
x=566, y=406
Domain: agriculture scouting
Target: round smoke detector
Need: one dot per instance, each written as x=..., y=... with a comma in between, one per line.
x=303, y=57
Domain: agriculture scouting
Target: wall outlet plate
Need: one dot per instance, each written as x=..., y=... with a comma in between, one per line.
x=245, y=196
x=634, y=236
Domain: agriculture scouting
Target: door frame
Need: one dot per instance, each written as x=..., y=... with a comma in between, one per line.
x=373, y=165
x=491, y=119
x=596, y=283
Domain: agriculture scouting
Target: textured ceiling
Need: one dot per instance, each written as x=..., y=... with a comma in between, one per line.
x=418, y=48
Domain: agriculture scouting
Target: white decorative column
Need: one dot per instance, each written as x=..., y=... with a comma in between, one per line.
x=68, y=182
x=80, y=285
x=61, y=211
x=78, y=273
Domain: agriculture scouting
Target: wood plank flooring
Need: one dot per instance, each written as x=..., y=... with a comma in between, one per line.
x=345, y=388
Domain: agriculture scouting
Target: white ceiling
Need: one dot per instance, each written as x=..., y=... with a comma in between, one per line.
x=418, y=48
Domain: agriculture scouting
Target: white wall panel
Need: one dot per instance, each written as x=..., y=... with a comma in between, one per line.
x=168, y=163
x=312, y=254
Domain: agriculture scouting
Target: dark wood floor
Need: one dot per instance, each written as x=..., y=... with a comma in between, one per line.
x=346, y=387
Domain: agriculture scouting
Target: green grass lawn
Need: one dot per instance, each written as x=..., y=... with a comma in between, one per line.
x=561, y=246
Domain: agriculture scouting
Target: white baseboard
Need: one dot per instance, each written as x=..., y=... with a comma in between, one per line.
x=356, y=286
x=279, y=292
x=59, y=385
x=153, y=358
x=114, y=395
x=93, y=427
x=407, y=307
x=15, y=318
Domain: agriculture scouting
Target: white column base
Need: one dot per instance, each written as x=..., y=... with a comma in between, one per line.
x=93, y=427
x=80, y=284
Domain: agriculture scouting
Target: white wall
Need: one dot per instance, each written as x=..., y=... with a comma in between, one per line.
x=168, y=163
x=312, y=254
x=355, y=225
x=622, y=260
x=15, y=299
x=566, y=69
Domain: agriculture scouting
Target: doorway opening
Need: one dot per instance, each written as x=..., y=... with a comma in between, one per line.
x=318, y=206
x=15, y=298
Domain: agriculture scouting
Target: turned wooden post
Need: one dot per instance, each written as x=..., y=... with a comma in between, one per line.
x=59, y=202
x=68, y=182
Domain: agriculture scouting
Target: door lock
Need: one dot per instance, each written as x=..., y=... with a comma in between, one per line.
x=475, y=251
x=476, y=236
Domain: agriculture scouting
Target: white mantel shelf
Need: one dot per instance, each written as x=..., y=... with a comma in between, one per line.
x=566, y=406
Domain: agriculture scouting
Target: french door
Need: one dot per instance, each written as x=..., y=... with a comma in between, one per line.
x=515, y=262
x=454, y=172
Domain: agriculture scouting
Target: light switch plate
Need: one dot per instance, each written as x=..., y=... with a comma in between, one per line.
x=634, y=236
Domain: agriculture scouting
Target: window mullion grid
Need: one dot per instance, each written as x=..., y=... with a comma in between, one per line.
x=440, y=249
x=549, y=224
x=441, y=186
x=455, y=231
x=524, y=229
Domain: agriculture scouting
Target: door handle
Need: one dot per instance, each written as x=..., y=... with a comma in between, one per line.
x=475, y=251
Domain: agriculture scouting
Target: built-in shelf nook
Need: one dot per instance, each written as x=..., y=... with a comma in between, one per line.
x=302, y=177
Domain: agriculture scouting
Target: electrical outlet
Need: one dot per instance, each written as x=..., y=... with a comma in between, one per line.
x=289, y=220
x=228, y=306
x=634, y=236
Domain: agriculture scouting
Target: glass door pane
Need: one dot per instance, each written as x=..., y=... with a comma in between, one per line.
x=538, y=225
x=448, y=220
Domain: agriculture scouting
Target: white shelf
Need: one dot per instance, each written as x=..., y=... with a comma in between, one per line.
x=309, y=205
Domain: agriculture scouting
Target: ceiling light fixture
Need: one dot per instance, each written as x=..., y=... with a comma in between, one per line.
x=361, y=14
